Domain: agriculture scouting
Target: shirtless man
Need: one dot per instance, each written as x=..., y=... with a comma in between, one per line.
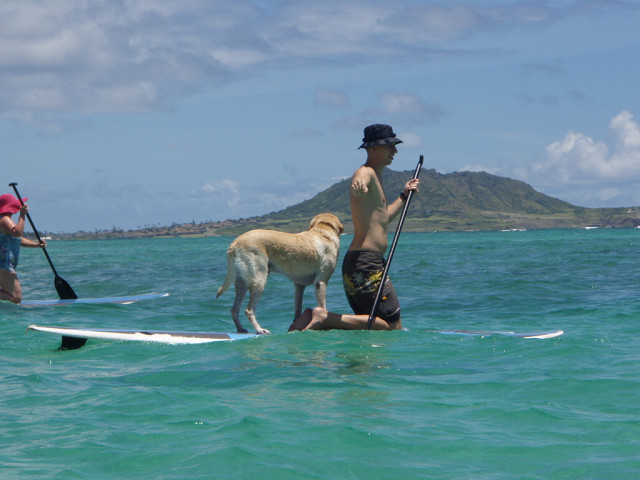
x=363, y=263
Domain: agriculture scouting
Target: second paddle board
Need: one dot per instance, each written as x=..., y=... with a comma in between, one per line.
x=124, y=300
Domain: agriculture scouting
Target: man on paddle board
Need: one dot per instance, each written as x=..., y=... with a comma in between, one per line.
x=363, y=264
x=11, y=240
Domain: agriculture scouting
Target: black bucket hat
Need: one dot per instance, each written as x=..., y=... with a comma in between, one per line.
x=378, y=134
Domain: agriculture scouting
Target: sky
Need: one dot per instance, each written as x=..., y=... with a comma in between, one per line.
x=136, y=113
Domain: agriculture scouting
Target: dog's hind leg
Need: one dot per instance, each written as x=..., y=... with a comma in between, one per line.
x=255, y=292
x=241, y=291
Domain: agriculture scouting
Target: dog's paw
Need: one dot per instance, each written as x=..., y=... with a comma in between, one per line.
x=263, y=331
x=242, y=330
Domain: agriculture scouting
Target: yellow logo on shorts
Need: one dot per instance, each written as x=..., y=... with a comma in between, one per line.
x=358, y=283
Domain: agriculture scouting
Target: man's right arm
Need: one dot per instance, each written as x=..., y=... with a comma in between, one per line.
x=360, y=181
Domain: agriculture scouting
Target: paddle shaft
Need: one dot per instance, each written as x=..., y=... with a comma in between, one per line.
x=34, y=229
x=393, y=248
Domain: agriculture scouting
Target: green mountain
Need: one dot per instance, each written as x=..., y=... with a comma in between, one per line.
x=450, y=202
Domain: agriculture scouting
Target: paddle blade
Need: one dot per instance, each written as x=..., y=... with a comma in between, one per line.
x=65, y=292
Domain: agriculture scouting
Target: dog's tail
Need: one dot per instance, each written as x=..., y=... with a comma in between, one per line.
x=231, y=270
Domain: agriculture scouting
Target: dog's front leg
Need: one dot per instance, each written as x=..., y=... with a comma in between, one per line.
x=321, y=294
x=298, y=300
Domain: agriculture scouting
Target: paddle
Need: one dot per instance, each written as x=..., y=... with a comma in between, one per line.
x=392, y=249
x=65, y=292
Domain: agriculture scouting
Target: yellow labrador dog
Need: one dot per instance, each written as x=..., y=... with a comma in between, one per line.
x=306, y=258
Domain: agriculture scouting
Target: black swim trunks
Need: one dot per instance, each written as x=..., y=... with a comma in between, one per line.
x=361, y=274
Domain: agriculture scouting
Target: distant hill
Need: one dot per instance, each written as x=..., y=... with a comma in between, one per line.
x=446, y=202
x=455, y=201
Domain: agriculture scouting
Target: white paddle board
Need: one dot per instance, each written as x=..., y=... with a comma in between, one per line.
x=124, y=300
x=480, y=333
x=76, y=337
x=73, y=338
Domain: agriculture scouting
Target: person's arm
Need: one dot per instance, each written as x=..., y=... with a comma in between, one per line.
x=6, y=225
x=396, y=207
x=9, y=228
x=360, y=181
x=25, y=242
x=18, y=229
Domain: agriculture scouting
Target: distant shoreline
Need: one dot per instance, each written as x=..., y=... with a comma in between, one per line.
x=185, y=232
x=459, y=201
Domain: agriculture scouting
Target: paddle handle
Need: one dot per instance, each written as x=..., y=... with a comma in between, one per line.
x=393, y=247
x=15, y=189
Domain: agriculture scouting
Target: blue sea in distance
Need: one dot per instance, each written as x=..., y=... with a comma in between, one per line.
x=411, y=404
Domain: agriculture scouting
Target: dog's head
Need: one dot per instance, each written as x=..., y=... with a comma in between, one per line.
x=327, y=220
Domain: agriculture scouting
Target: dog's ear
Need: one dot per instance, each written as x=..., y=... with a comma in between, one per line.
x=316, y=220
x=336, y=223
x=321, y=220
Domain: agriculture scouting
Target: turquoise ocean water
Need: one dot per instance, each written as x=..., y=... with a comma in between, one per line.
x=334, y=405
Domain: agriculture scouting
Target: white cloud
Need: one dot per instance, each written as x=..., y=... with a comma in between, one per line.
x=626, y=132
x=63, y=56
x=236, y=58
x=607, y=194
x=578, y=158
x=208, y=188
x=225, y=191
x=590, y=173
x=435, y=24
x=396, y=108
x=575, y=158
x=410, y=139
x=478, y=167
x=408, y=104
